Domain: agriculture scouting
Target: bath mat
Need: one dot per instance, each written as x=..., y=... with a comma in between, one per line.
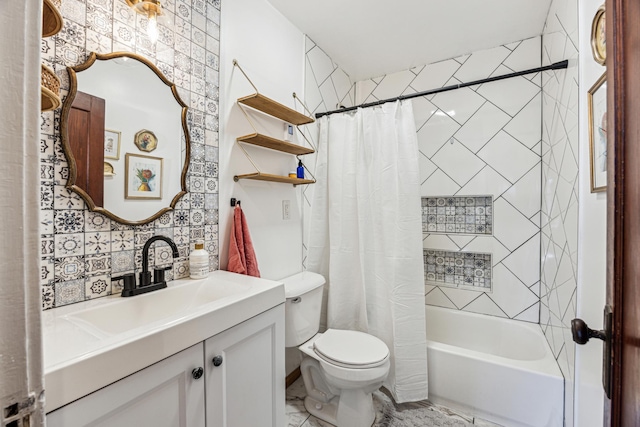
x=415, y=414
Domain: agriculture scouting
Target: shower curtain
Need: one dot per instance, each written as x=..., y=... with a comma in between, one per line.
x=366, y=235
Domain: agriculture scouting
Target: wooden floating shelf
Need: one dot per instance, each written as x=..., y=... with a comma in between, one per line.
x=275, y=109
x=259, y=176
x=275, y=144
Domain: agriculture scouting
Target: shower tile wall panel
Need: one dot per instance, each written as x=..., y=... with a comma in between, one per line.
x=559, y=216
x=326, y=87
x=481, y=140
x=81, y=250
x=457, y=215
x=457, y=269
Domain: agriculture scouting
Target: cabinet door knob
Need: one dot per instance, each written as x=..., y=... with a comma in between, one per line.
x=217, y=361
x=197, y=373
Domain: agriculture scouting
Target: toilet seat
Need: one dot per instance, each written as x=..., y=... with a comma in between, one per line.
x=351, y=349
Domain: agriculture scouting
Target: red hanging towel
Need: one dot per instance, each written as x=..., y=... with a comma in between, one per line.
x=242, y=257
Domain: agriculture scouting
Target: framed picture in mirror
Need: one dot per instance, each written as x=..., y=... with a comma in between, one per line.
x=597, y=98
x=108, y=169
x=599, y=36
x=111, y=144
x=146, y=140
x=143, y=177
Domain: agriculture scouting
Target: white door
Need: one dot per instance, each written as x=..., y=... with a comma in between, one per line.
x=245, y=375
x=165, y=394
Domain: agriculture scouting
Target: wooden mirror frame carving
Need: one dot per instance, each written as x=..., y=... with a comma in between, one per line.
x=73, y=168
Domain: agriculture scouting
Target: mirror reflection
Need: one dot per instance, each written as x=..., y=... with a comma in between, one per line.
x=125, y=136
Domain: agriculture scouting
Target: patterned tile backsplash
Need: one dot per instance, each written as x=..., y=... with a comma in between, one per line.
x=81, y=251
x=460, y=215
x=457, y=269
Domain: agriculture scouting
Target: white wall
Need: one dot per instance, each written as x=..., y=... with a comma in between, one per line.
x=592, y=249
x=271, y=51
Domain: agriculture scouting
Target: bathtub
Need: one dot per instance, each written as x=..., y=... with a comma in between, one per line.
x=497, y=369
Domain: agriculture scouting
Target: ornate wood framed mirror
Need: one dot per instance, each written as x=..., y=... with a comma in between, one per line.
x=124, y=132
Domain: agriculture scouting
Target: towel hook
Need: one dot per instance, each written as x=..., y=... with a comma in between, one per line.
x=234, y=201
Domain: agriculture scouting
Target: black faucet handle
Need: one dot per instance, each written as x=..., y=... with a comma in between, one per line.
x=158, y=274
x=144, y=278
x=128, y=282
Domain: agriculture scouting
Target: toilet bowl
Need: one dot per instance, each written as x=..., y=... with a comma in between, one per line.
x=340, y=368
x=340, y=372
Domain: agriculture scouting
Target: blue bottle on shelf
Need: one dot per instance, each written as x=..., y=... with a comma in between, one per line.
x=300, y=170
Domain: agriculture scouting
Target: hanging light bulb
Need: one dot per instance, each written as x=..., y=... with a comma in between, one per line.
x=152, y=27
x=152, y=9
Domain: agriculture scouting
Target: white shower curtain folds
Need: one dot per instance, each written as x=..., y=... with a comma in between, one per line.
x=366, y=235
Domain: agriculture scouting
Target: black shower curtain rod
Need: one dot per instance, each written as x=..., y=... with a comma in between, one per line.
x=557, y=66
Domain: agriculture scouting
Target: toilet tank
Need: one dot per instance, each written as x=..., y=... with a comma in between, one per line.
x=303, y=292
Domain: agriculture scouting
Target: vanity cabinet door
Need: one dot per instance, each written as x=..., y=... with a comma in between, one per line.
x=245, y=373
x=163, y=394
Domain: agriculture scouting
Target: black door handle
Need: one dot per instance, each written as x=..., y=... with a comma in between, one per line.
x=582, y=333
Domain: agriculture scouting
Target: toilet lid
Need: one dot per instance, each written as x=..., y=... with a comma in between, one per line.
x=351, y=348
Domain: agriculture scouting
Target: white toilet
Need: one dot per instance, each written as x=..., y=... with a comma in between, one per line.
x=341, y=368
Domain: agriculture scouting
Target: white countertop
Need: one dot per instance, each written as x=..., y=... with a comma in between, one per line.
x=94, y=343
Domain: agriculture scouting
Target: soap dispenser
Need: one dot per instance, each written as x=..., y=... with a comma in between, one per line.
x=300, y=170
x=199, y=261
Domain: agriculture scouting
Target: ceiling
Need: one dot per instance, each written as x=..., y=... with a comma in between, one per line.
x=370, y=38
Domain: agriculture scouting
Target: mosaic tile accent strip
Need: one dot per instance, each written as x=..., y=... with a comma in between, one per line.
x=460, y=215
x=457, y=269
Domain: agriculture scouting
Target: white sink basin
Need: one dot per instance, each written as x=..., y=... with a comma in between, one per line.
x=125, y=314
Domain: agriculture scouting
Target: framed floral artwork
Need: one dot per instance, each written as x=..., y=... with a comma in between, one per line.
x=111, y=144
x=146, y=140
x=143, y=177
x=597, y=98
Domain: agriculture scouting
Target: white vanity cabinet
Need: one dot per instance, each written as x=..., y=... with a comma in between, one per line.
x=246, y=388
x=164, y=394
x=245, y=373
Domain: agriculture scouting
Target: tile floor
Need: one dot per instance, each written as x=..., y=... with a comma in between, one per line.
x=388, y=414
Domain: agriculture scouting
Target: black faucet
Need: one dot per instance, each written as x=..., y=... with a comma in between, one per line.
x=145, y=284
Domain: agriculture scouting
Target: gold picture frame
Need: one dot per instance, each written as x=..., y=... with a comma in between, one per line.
x=142, y=177
x=599, y=36
x=145, y=140
x=597, y=99
x=111, y=144
x=108, y=169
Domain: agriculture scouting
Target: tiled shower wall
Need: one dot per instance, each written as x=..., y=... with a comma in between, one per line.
x=81, y=250
x=481, y=141
x=559, y=219
x=327, y=86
